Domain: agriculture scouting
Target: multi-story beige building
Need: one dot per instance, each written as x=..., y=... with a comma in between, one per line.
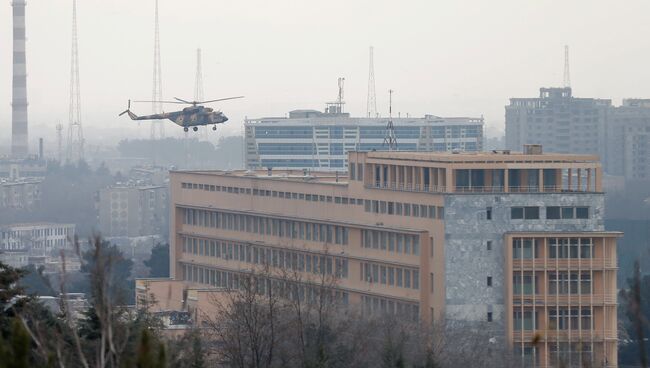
x=511, y=242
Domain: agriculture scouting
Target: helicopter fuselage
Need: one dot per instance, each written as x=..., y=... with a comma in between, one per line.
x=189, y=116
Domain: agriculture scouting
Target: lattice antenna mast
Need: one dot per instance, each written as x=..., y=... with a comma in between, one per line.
x=372, y=97
x=339, y=100
x=75, y=130
x=390, y=139
x=198, y=83
x=567, y=76
x=198, y=89
x=157, y=126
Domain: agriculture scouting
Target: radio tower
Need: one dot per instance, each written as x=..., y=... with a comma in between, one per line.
x=567, y=76
x=198, y=87
x=390, y=139
x=372, y=98
x=157, y=126
x=75, y=131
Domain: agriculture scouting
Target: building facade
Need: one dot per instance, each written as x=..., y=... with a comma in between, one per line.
x=620, y=135
x=512, y=243
x=628, y=140
x=320, y=141
x=558, y=121
x=133, y=210
x=36, y=238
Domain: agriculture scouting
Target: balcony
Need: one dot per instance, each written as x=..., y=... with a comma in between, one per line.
x=540, y=300
x=541, y=264
x=564, y=335
x=407, y=187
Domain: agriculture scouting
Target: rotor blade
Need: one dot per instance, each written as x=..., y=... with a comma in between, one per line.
x=220, y=99
x=187, y=102
x=173, y=102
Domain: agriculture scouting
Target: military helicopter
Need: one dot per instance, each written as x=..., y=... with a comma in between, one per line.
x=192, y=116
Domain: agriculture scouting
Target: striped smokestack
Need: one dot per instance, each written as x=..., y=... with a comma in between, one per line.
x=19, y=145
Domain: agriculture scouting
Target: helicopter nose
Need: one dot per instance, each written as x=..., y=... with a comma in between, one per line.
x=225, y=118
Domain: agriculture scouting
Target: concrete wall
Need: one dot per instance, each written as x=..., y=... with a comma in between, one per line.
x=468, y=263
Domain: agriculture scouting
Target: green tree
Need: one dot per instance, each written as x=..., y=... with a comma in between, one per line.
x=635, y=300
x=15, y=353
x=158, y=263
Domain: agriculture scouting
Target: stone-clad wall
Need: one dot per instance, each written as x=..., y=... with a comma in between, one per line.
x=468, y=262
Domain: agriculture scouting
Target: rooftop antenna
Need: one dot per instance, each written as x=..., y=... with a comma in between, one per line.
x=337, y=106
x=157, y=126
x=390, y=139
x=372, y=98
x=75, y=131
x=567, y=76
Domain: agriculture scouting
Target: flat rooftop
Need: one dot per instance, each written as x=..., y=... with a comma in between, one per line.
x=481, y=157
x=283, y=175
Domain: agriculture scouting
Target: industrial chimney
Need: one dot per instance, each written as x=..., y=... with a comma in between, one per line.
x=19, y=145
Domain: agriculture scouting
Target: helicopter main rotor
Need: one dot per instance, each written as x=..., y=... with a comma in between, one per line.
x=193, y=103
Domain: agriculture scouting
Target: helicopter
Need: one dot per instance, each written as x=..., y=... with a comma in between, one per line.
x=192, y=116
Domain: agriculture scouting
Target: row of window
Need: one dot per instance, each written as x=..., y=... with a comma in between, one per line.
x=404, y=209
x=274, y=194
x=390, y=276
x=393, y=242
x=235, y=280
x=377, y=306
x=552, y=213
x=558, y=248
x=297, y=261
x=562, y=283
x=267, y=225
x=558, y=319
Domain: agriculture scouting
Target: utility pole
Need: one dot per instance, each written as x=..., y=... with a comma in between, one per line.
x=75, y=130
x=371, y=99
x=390, y=139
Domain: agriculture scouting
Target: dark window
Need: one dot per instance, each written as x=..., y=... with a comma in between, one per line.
x=489, y=281
x=531, y=213
x=489, y=316
x=488, y=213
x=553, y=213
x=582, y=212
x=489, y=245
x=567, y=212
x=517, y=213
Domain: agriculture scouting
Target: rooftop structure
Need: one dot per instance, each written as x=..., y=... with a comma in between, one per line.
x=495, y=240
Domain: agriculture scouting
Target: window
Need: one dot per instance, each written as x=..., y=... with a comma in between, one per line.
x=582, y=212
x=556, y=213
x=524, y=249
x=488, y=213
x=489, y=316
x=527, y=213
x=489, y=245
x=489, y=281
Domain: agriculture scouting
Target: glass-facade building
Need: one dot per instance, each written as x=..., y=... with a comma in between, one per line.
x=314, y=140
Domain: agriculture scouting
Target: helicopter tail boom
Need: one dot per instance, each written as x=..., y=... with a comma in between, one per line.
x=128, y=111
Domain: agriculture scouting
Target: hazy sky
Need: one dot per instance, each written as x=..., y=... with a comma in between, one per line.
x=448, y=58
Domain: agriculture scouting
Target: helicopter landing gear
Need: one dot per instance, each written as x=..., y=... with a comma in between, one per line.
x=214, y=127
x=195, y=129
x=185, y=129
